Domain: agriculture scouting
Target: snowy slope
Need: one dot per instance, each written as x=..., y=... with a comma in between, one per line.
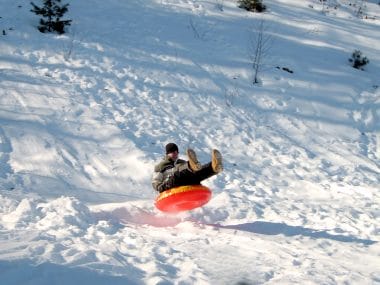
x=85, y=116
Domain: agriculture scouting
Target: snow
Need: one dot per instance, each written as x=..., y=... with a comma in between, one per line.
x=85, y=116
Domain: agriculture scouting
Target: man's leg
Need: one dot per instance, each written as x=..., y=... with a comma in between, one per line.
x=186, y=177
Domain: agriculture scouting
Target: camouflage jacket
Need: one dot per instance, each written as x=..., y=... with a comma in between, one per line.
x=164, y=170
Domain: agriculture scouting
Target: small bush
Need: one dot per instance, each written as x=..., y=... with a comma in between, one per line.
x=357, y=59
x=252, y=5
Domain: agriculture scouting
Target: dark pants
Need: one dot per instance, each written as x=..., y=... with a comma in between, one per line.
x=188, y=177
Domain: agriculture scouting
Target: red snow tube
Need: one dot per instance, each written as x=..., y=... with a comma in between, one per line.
x=183, y=198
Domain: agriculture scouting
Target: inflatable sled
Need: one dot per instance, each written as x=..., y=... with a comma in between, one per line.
x=183, y=198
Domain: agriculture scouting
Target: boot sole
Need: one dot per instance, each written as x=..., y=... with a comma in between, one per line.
x=216, y=163
x=193, y=160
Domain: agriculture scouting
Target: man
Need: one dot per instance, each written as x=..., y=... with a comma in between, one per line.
x=173, y=171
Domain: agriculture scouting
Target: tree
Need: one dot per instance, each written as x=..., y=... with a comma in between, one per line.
x=252, y=5
x=260, y=46
x=361, y=7
x=51, y=12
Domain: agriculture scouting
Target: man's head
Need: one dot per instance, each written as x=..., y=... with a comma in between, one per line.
x=172, y=150
x=171, y=147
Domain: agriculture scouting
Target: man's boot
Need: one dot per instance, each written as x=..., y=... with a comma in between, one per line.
x=216, y=161
x=193, y=161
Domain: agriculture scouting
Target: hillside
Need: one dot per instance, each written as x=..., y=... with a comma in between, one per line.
x=85, y=116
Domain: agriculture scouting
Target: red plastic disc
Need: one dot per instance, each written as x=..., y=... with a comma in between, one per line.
x=183, y=198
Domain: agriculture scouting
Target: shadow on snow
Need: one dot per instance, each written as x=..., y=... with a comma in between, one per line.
x=269, y=228
x=25, y=272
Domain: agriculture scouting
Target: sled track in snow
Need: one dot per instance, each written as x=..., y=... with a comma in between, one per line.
x=5, y=150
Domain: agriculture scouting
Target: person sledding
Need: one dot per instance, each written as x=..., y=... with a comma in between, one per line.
x=172, y=171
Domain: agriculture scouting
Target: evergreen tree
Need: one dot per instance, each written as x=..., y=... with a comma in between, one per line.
x=51, y=12
x=252, y=5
